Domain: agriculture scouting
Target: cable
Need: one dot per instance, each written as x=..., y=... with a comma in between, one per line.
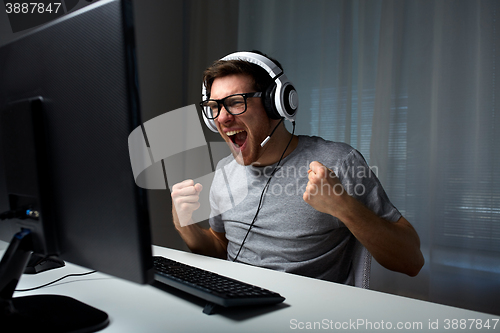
x=263, y=192
x=48, y=284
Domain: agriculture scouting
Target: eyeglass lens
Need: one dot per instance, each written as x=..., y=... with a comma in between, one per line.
x=234, y=104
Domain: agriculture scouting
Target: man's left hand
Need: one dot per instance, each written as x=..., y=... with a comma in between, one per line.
x=324, y=192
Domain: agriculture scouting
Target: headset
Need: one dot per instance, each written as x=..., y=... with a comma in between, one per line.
x=280, y=99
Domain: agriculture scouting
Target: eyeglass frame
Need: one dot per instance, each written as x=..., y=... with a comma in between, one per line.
x=222, y=102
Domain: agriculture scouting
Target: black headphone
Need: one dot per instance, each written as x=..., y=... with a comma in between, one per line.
x=280, y=99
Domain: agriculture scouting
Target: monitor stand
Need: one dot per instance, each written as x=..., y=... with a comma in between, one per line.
x=38, y=264
x=39, y=313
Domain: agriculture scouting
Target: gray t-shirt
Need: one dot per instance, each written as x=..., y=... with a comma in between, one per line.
x=288, y=234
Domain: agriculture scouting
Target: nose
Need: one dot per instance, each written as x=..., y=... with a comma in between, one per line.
x=224, y=116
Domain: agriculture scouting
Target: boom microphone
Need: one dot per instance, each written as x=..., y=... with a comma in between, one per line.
x=269, y=136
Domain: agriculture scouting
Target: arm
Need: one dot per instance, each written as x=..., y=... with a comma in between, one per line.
x=395, y=245
x=185, y=200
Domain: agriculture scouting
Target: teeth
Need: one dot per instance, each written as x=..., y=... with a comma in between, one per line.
x=231, y=133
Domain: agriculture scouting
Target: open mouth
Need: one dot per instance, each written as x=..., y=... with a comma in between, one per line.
x=238, y=137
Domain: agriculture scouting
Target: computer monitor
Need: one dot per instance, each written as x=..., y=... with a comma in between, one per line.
x=68, y=101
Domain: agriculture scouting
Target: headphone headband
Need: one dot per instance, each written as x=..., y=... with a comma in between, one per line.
x=257, y=59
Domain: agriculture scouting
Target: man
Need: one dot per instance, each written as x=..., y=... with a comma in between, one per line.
x=303, y=217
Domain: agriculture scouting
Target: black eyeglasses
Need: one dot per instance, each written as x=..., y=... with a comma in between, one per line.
x=234, y=104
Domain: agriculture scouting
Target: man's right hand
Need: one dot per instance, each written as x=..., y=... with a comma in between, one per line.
x=185, y=199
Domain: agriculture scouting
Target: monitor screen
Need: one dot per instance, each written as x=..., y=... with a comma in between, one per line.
x=68, y=102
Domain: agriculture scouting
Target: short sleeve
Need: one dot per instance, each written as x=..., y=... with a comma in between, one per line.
x=361, y=182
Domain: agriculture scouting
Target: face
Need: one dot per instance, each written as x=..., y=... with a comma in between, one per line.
x=243, y=133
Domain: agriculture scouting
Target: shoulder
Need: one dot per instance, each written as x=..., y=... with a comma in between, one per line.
x=320, y=147
x=226, y=162
x=320, y=143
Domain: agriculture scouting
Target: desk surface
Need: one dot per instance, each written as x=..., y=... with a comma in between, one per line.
x=310, y=304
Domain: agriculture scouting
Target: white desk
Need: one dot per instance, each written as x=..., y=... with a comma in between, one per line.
x=138, y=308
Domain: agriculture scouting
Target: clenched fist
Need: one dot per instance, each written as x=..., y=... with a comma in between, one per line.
x=324, y=192
x=185, y=199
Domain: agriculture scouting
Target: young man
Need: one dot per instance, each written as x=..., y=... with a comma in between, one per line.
x=317, y=205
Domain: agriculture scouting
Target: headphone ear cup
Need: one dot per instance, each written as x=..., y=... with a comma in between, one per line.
x=268, y=101
x=290, y=101
x=210, y=123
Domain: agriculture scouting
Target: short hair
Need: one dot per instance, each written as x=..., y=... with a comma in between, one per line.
x=220, y=68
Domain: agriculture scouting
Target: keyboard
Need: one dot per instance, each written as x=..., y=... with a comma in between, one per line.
x=217, y=290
